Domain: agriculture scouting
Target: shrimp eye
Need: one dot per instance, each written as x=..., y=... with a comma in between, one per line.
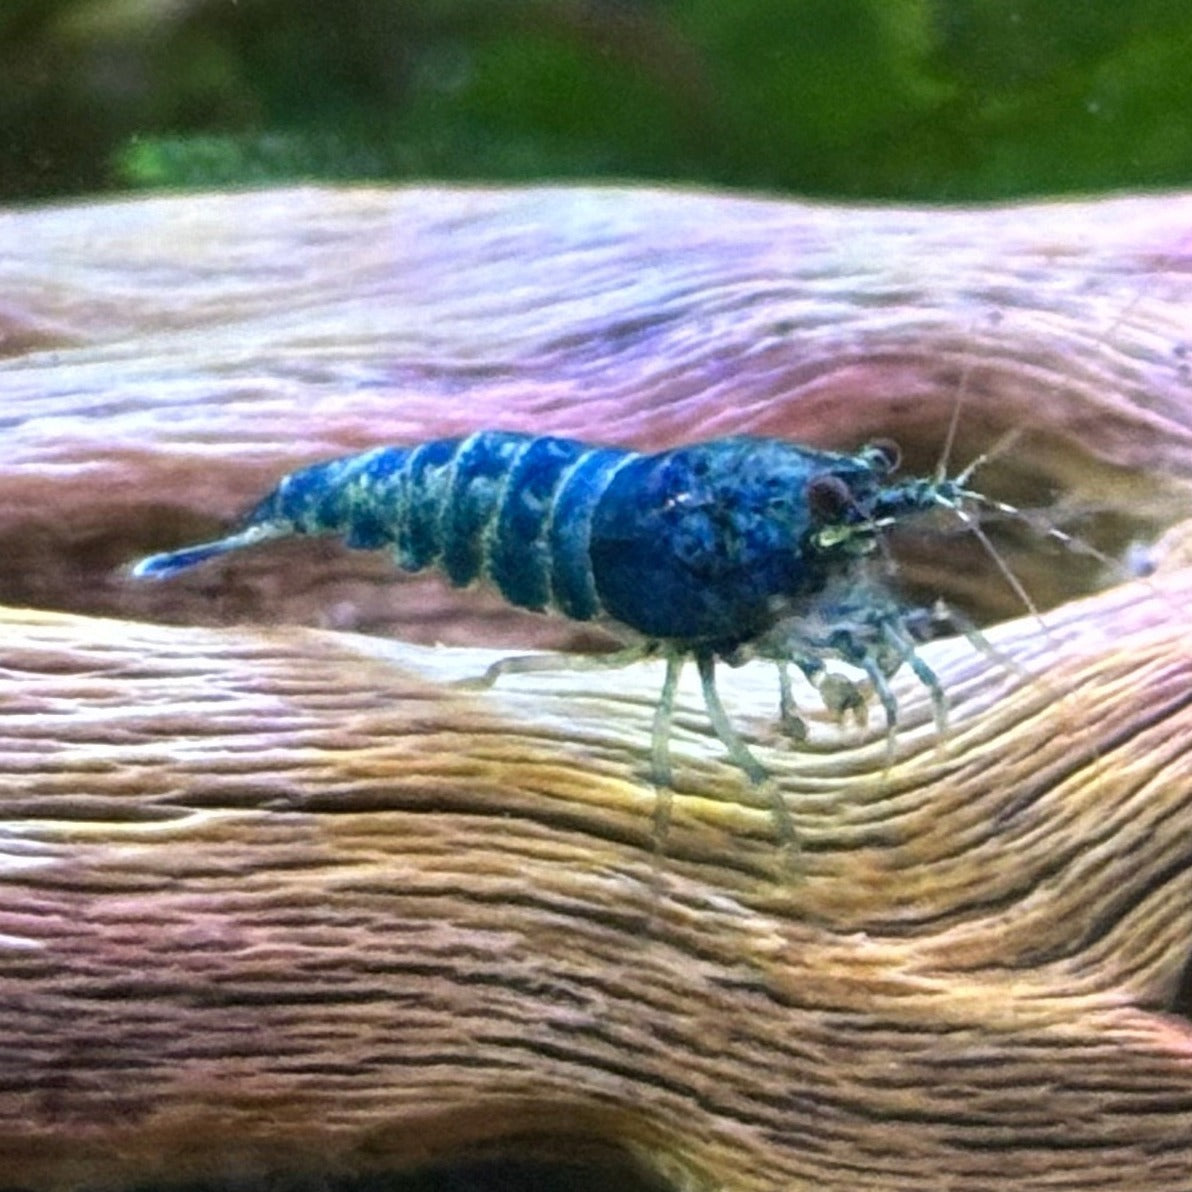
x=828, y=497
x=885, y=455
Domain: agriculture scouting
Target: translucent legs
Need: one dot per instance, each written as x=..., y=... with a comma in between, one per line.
x=738, y=752
x=660, y=764
x=524, y=664
x=864, y=627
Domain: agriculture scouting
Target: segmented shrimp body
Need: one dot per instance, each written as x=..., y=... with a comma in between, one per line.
x=735, y=548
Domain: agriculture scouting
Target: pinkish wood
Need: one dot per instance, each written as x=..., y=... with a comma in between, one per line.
x=277, y=898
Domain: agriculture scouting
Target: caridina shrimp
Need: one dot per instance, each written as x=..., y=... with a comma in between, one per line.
x=718, y=551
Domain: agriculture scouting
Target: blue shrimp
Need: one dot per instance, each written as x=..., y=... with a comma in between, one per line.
x=724, y=550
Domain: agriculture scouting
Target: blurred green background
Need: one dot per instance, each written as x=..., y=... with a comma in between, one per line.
x=926, y=99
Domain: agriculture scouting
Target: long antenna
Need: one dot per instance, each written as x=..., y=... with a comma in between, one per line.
x=941, y=469
x=1001, y=564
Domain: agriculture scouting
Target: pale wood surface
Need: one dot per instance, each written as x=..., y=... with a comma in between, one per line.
x=279, y=896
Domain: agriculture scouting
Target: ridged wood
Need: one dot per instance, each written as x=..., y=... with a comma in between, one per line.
x=282, y=898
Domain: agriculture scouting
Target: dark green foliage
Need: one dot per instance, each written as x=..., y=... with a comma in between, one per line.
x=884, y=98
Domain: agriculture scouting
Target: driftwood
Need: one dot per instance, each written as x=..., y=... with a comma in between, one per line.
x=279, y=896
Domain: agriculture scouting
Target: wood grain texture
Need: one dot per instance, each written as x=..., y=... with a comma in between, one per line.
x=280, y=897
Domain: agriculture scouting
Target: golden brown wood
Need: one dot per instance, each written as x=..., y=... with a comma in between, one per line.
x=280, y=897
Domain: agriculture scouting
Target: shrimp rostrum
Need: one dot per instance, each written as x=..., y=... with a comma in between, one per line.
x=724, y=550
